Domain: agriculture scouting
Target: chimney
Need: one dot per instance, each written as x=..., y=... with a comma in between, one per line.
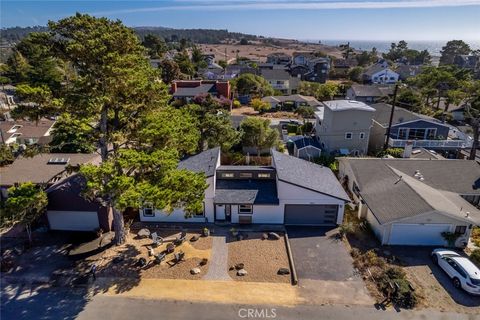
x=407, y=152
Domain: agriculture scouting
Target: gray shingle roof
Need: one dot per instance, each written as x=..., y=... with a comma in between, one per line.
x=361, y=90
x=374, y=69
x=383, y=110
x=307, y=175
x=246, y=191
x=194, y=91
x=390, y=199
x=275, y=74
x=204, y=162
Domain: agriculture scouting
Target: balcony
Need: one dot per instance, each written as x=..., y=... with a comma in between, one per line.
x=432, y=144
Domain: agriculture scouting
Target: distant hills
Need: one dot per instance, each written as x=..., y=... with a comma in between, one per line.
x=207, y=36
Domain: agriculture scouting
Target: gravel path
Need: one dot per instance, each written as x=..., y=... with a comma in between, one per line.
x=218, y=264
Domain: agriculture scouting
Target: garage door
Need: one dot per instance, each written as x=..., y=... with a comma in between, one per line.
x=73, y=220
x=299, y=214
x=418, y=234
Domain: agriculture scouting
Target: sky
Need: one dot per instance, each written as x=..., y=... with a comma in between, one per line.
x=302, y=19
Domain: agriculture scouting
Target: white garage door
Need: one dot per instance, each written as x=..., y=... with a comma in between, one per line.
x=73, y=220
x=418, y=234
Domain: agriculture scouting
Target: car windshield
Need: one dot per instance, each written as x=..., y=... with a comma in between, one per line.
x=475, y=282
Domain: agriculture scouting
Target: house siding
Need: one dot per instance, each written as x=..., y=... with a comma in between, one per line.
x=442, y=130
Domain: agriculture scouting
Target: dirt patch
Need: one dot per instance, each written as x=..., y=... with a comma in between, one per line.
x=108, y=264
x=262, y=258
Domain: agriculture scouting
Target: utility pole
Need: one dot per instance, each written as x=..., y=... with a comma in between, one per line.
x=385, y=146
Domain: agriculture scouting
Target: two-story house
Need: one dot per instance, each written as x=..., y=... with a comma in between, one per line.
x=380, y=73
x=281, y=80
x=368, y=93
x=343, y=127
x=422, y=131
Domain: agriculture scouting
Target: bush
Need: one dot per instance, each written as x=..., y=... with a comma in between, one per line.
x=394, y=152
x=292, y=128
x=260, y=105
x=475, y=257
x=236, y=104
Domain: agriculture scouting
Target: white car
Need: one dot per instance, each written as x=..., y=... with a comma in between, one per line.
x=462, y=271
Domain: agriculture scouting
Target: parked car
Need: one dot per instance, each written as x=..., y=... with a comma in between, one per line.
x=461, y=270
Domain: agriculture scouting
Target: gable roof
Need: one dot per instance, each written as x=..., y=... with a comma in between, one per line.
x=391, y=198
x=363, y=90
x=307, y=175
x=400, y=115
x=27, y=129
x=37, y=169
x=204, y=162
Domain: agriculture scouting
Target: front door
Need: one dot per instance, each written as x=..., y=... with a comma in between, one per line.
x=219, y=212
x=228, y=212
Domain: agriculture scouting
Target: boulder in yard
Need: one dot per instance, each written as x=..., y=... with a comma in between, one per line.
x=194, y=238
x=195, y=271
x=143, y=233
x=239, y=237
x=203, y=262
x=142, y=262
x=283, y=271
x=239, y=266
x=273, y=236
x=242, y=272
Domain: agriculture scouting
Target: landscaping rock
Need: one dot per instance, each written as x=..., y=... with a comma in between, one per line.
x=143, y=233
x=142, y=262
x=283, y=271
x=273, y=236
x=151, y=252
x=194, y=238
x=242, y=272
x=239, y=266
x=195, y=271
x=239, y=237
x=264, y=236
x=231, y=268
x=170, y=248
x=204, y=261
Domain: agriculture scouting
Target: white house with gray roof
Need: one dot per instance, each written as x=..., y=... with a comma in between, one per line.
x=290, y=191
x=413, y=201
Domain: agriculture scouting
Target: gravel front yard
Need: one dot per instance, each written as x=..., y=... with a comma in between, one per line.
x=134, y=249
x=262, y=258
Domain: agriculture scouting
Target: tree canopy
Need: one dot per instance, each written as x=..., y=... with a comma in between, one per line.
x=452, y=49
x=251, y=84
x=258, y=134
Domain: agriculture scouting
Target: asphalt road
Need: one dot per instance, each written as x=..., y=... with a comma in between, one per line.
x=58, y=303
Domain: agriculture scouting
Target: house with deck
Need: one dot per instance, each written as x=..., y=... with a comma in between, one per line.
x=290, y=191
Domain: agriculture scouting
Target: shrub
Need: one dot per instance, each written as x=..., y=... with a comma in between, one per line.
x=394, y=152
x=292, y=128
x=475, y=257
x=260, y=105
x=236, y=104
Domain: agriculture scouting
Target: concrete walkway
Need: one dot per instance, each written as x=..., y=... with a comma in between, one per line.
x=218, y=264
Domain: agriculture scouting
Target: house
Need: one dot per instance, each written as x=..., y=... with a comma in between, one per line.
x=309, y=67
x=343, y=126
x=423, y=131
x=281, y=80
x=368, y=93
x=26, y=132
x=67, y=209
x=413, y=201
x=290, y=191
x=305, y=147
x=380, y=73
x=406, y=71
x=292, y=101
x=186, y=90
x=279, y=58
x=341, y=67
x=458, y=114
x=470, y=62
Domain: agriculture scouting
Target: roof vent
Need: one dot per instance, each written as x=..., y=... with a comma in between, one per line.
x=58, y=160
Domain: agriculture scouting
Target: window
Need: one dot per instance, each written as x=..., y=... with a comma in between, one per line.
x=416, y=134
x=148, y=210
x=264, y=175
x=348, y=135
x=246, y=175
x=201, y=213
x=431, y=133
x=245, y=209
x=402, y=133
x=14, y=128
x=460, y=229
x=362, y=135
x=228, y=175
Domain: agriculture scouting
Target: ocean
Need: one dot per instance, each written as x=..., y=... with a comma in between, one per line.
x=433, y=47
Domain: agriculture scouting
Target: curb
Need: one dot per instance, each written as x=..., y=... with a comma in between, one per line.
x=290, y=260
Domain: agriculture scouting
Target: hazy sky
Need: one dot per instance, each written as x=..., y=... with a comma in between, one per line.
x=304, y=19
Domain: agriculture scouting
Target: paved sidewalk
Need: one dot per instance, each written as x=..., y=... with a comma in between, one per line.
x=218, y=264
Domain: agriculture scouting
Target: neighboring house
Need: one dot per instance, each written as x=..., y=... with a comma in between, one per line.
x=304, y=147
x=413, y=201
x=7, y=102
x=309, y=67
x=279, y=58
x=406, y=71
x=281, y=80
x=291, y=191
x=341, y=67
x=343, y=126
x=186, y=90
x=380, y=73
x=67, y=209
x=292, y=101
x=26, y=132
x=423, y=131
x=368, y=93
x=470, y=62
x=458, y=114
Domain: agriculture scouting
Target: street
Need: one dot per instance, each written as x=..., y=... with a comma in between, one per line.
x=24, y=302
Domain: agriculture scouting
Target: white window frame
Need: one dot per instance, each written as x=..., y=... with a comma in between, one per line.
x=245, y=209
x=148, y=206
x=228, y=175
x=246, y=175
x=346, y=136
x=434, y=133
x=264, y=175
